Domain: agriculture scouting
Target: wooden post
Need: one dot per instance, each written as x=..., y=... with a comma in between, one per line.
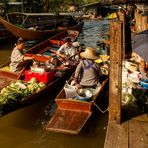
x=144, y=22
x=138, y=22
x=127, y=47
x=121, y=15
x=115, y=78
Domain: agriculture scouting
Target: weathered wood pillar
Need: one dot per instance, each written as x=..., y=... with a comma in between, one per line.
x=144, y=22
x=121, y=16
x=115, y=78
x=127, y=47
x=138, y=22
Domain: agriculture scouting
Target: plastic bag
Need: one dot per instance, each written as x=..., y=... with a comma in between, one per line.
x=70, y=91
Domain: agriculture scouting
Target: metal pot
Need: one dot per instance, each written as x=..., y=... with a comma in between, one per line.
x=84, y=94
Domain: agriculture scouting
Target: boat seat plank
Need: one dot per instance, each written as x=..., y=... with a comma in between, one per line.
x=70, y=104
x=61, y=122
x=40, y=58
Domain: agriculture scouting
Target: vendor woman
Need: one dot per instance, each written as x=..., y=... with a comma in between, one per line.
x=18, y=59
x=88, y=72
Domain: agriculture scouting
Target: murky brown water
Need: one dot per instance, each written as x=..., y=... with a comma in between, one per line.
x=23, y=128
x=5, y=52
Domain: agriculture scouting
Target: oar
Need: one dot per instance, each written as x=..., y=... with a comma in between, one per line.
x=23, y=70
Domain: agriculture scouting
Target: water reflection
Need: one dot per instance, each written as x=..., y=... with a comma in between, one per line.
x=23, y=128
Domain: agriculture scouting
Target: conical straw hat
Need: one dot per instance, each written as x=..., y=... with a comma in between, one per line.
x=89, y=53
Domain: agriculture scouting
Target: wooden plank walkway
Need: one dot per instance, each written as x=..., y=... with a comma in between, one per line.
x=132, y=133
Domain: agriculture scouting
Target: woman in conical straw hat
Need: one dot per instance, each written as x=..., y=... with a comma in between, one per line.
x=88, y=72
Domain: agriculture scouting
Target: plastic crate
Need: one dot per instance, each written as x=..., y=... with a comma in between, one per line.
x=45, y=77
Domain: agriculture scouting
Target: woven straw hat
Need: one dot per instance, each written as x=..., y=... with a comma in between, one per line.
x=89, y=53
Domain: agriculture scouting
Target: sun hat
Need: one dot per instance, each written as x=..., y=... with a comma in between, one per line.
x=89, y=53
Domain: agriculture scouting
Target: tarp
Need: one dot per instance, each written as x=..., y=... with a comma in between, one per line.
x=140, y=44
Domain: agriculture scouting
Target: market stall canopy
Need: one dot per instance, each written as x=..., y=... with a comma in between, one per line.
x=140, y=44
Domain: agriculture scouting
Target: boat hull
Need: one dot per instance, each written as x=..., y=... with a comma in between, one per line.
x=71, y=115
x=6, y=77
x=28, y=34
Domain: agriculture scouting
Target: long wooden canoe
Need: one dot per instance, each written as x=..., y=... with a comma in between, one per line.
x=39, y=52
x=27, y=33
x=30, y=34
x=71, y=115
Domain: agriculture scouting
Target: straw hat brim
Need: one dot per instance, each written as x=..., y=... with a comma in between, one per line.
x=89, y=53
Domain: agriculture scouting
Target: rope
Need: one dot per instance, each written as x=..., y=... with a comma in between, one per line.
x=101, y=109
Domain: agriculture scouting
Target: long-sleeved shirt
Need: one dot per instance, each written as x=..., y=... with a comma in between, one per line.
x=67, y=51
x=17, y=62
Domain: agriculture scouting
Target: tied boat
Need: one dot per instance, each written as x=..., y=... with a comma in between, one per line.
x=51, y=78
x=74, y=110
x=40, y=26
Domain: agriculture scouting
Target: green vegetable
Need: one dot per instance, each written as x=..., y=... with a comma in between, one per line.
x=33, y=80
x=41, y=84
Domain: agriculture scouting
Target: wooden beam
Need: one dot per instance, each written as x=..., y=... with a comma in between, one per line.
x=144, y=22
x=116, y=50
x=121, y=16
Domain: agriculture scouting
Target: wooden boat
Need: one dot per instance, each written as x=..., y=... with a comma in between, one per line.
x=40, y=54
x=71, y=115
x=50, y=44
x=45, y=30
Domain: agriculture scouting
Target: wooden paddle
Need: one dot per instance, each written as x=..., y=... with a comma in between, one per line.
x=23, y=70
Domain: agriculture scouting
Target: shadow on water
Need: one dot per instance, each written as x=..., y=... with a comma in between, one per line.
x=23, y=128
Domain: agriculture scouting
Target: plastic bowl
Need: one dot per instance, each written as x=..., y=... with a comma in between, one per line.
x=144, y=84
x=84, y=94
x=144, y=80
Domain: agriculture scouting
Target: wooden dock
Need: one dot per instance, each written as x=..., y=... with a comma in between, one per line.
x=131, y=133
x=128, y=125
